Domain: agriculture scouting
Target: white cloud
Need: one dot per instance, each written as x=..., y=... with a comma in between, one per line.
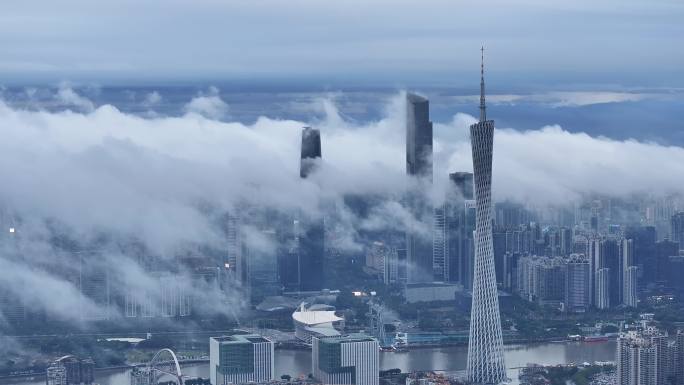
x=67, y=96
x=152, y=99
x=565, y=98
x=210, y=106
x=164, y=180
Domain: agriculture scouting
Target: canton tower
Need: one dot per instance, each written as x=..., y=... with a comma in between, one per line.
x=485, y=346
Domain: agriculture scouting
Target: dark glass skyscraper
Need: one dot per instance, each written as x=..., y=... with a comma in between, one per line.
x=419, y=164
x=460, y=222
x=311, y=151
x=311, y=230
x=418, y=137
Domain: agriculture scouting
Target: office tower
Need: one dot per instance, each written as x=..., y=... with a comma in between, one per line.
x=418, y=137
x=629, y=274
x=419, y=165
x=440, y=258
x=310, y=152
x=312, y=230
x=678, y=229
x=460, y=223
x=485, y=363
x=262, y=266
x=240, y=359
x=676, y=272
x=499, y=246
x=644, y=238
x=606, y=254
x=577, y=284
x=510, y=215
x=642, y=357
x=70, y=370
x=233, y=238
x=663, y=251
x=566, y=241
x=346, y=360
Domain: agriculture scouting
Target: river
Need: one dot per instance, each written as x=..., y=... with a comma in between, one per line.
x=296, y=362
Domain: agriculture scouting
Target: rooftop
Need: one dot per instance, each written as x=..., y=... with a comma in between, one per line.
x=241, y=339
x=354, y=337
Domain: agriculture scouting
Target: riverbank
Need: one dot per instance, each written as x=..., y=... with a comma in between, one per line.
x=445, y=358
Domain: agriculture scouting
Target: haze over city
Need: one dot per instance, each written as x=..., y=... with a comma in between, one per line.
x=186, y=174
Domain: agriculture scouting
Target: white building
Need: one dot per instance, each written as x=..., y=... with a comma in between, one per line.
x=346, y=360
x=316, y=321
x=630, y=294
x=602, y=278
x=240, y=359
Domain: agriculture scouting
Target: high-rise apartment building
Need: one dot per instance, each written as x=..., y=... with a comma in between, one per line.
x=642, y=357
x=240, y=359
x=346, y=360
x=630, y=274
x=578, y=278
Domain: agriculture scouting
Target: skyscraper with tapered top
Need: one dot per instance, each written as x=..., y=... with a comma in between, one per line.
x=485, y=346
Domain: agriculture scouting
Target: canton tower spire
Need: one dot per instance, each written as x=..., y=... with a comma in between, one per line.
x=483, y=107
x=485, y=345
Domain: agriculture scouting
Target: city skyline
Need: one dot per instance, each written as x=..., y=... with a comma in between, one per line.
x=216, y=192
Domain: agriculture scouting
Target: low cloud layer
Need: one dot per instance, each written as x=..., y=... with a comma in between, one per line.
x=101, y=176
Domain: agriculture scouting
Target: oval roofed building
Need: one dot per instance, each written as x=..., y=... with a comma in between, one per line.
x=316, y=320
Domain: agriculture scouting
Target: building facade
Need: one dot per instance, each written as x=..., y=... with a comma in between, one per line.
x=240, y=359
x=419, y=249
x=346, y=360
x=642, y=357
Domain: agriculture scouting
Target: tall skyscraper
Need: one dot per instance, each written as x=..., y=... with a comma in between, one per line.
x=310, y=152
x=630, y=274
x=460, y=224
x=240, y=359
x=312, y=230
x=418, y=137
x=346, y=360
x=419, y=249
x=678, y=229
x=485, y=345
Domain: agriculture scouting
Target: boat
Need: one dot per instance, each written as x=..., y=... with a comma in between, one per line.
x=596, y=338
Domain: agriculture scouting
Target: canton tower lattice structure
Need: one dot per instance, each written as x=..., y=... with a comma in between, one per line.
x=485, y=346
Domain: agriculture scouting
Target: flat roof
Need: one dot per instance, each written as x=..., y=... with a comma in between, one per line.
x=241, y=338
x=354, y=337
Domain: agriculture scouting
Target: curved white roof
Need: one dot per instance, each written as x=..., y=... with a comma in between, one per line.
x=315, y=317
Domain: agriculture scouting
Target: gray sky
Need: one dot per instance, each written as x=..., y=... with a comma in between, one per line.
x=395, y=40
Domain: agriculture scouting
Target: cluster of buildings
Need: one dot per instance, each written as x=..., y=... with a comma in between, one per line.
x=593, y=270
x=647, y=356
x=342, y=359
x=70, y=370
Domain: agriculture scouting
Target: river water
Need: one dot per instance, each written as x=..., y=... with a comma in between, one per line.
x=296, y=362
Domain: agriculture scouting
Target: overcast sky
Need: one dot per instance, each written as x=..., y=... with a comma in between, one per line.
x=386, y=40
